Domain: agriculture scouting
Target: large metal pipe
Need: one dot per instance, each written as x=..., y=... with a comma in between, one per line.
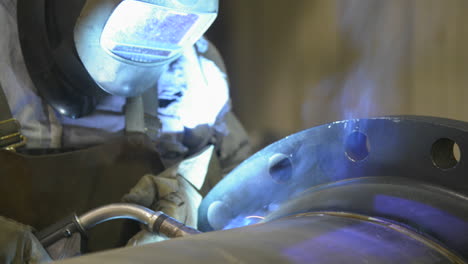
x=404, y=169
x=305, y=238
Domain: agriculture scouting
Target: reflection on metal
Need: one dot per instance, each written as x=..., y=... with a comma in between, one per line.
x=21, y=143
x=63, y=239
x=255, y=217
x=145, y=32
x=157, y=222
x=13, y=138
x=313, y=238
x=118, y=211
x=145, y=59
x=382, y=167
x=398, y=228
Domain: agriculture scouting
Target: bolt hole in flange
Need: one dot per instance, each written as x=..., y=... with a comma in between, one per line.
x=357, y=146
x=445, y=154
x=280, y=168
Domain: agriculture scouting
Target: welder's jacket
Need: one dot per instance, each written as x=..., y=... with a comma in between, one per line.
x=105, y=162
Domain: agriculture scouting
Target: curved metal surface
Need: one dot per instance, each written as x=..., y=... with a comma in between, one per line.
x=157, y=222
x=432, y=177
x=436, y=212
x=310, y=238
x=118, y=211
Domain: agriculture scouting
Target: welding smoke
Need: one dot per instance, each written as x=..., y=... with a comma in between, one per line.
x=379, y=33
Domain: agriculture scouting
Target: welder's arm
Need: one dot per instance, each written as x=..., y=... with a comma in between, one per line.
x=18, y=245
x=233, y=144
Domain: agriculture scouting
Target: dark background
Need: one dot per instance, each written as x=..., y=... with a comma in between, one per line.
x=298, y=64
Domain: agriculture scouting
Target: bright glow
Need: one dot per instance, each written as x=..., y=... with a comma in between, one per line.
x=242, y=221
x=192, y=92
x=144, y=32
x=255, y=217
x=205, y=100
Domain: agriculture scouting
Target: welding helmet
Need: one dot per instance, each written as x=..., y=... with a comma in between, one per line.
x=77, y=51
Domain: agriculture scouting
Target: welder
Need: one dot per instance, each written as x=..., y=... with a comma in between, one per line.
x=77, y=74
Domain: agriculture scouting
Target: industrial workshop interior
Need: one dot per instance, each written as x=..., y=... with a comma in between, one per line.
x=233, y=131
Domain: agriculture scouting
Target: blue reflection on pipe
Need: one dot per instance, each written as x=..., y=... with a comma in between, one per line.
x=432, y=218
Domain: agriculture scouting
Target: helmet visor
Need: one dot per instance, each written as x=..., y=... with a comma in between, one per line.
x=147, y=33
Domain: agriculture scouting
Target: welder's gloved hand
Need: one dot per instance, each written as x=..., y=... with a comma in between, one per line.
x=167, y=192
x=178, y=190
x=19, y=245
x=175, y=191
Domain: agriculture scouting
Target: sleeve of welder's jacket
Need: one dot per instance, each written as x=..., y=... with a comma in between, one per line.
x=195, y=109
x=18, y=245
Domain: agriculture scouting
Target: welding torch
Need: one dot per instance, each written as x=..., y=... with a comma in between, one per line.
x=156, y=222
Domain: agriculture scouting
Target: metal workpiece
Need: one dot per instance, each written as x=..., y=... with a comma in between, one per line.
x=410, y=170
x=156, y=222
x=382, y=190
x=305, y=238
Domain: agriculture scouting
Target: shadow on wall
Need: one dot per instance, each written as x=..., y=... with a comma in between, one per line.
x=293, y=66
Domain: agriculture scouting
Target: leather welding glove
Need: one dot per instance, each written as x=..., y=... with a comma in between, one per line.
x=19, y=245
x=167, y=192
x=174, y=192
